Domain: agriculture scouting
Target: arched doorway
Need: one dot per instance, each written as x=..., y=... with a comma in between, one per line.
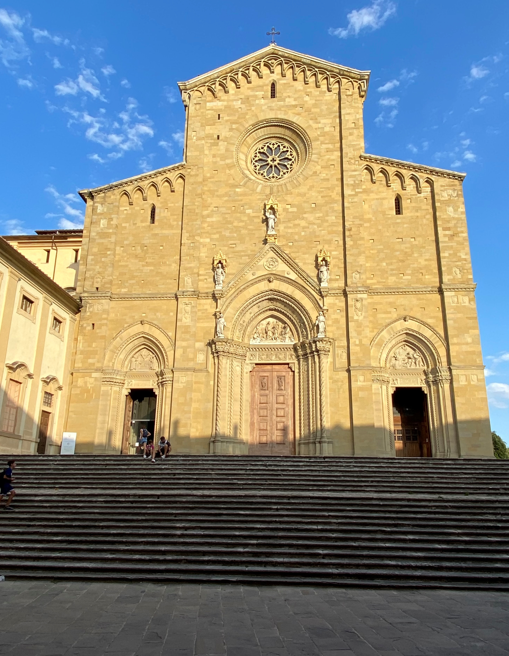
x=271, y=380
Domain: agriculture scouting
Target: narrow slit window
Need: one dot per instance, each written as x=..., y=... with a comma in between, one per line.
x=47, y=255
x=272, y=89
x=153, y=214
x=76, y=255
x=398, y=205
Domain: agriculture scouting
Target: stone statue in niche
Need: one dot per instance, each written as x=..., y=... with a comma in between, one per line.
x=320, y=325
x=271, y=218
x=144, y=360
x=219, y=267
x=272, y=331
x=407, y=357
x=323, y=265
x=220, y=325
x=270, y=214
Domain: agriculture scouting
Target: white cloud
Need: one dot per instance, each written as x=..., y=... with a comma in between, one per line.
x=498, y=394
x=13, y=48
x=65, y=224
x=178, y=137
x=27, y=84
x=412, y=148
x=65, y=203
x=96, y=158
x=388, y=86
x=386, y=119
x=43, y=35
x=370, y=18
x=56, y=62
x=127, y=131
x=389, y=102
x=171, y=95
x=126, y=84
x=456, y=164
x=66, y=88
x=98, y=51
x=477, y=72
x=503, y=357
x=86, y=82
x=488, y=372
x=108, y=70
x=466, y=143
x=13, y=227
x=167, y=147
x=145, y=163
x=469, y=156
x=408, y=76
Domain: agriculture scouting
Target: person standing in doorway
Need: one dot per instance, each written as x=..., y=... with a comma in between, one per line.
x=144, y=435
x=7, y=487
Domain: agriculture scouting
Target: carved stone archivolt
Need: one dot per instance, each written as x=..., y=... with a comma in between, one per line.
x=407, y=357
x=143, y=360
x=274, y=331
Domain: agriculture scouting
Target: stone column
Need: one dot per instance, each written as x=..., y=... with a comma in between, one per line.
x=163, y=410
x=323, y=444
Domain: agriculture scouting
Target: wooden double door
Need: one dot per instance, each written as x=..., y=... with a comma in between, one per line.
x=272, y=410
x=411, y=427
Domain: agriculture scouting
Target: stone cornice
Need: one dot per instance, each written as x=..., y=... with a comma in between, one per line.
x=320, y=70
x=87, y=194
x=36, y=277
x=410, y=166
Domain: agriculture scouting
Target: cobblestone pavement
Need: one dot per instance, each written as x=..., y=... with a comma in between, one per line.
x=53, y=619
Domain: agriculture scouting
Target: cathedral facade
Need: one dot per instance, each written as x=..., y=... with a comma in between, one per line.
x=280, y=291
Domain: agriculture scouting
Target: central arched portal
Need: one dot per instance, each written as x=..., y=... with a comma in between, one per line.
x=271, y=387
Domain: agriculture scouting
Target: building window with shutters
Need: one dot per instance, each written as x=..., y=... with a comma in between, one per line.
x=27, y=304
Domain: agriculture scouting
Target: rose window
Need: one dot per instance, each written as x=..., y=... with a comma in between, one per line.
x=273, y=160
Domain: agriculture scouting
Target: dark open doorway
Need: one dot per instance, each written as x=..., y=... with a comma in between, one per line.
x=411, y=425
x=140, y=412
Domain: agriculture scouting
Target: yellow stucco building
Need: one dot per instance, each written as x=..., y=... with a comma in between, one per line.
x=280, y=291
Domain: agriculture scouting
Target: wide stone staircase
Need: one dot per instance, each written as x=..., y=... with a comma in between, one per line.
x=322, y=521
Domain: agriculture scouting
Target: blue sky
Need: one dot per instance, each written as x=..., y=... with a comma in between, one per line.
x=89, y=95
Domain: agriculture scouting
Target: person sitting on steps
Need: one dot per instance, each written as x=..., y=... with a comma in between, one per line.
x=7, y=489
x=163, y=448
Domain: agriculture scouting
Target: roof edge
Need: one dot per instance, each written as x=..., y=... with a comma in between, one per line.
x=422, y=168
x=86, y=193
x=37, y=276
x=274, y=48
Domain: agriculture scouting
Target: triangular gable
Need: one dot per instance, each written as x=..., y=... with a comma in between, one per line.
x=288, y=262
x=269, y=58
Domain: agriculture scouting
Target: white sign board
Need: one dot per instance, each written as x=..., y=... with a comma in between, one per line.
x=68, y=444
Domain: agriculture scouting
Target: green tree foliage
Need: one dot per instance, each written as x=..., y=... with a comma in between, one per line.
x=499, y=447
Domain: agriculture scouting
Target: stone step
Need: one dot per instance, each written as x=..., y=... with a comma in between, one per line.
x=320, y=521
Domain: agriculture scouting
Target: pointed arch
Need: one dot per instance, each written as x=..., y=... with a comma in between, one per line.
x=412, y=331
x=135, y=337
x=399, y=176
x=155, y=186
x=273, y=89
x=386, y=175
x=152, y=214
x=166, y=182
x=398, y=205
x=371, y=172
x=416, y=180
x=138, y=190
x=125, y=195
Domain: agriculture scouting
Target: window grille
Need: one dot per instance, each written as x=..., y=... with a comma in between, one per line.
x=272, y=89
x=153, y=214
x=398, y=207
x=47, y=400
